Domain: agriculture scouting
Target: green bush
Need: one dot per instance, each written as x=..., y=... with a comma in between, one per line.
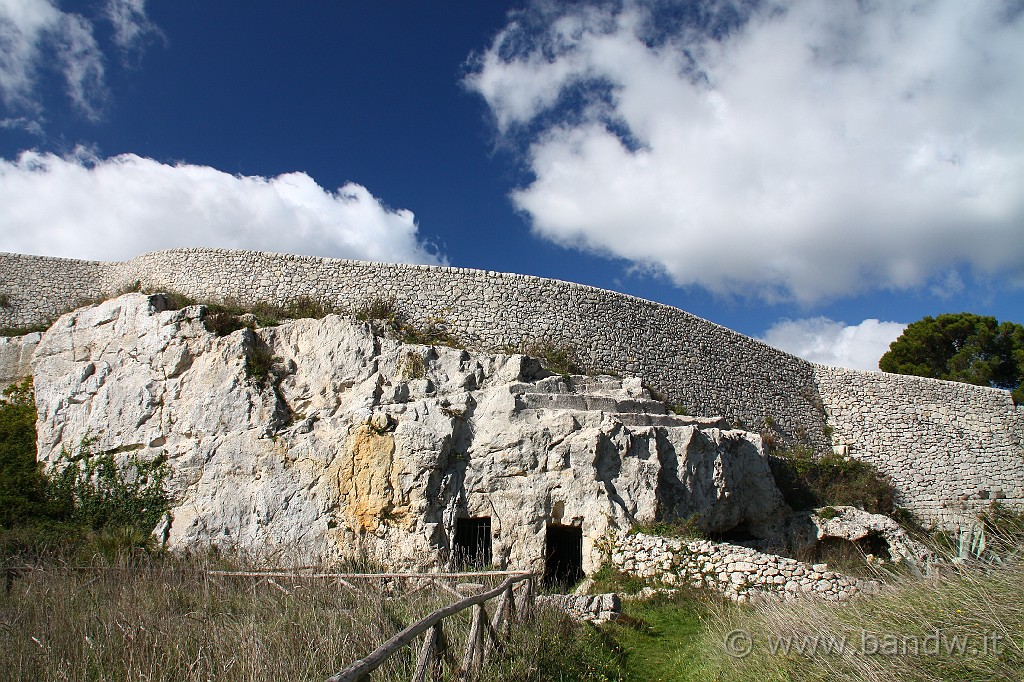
x=86, y=504
x=22, y=485
x=103, y=495
x=259, y=359
x=808, y=481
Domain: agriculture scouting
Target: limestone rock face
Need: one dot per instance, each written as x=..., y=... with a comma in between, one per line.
x=16, y=357
x=319, y=440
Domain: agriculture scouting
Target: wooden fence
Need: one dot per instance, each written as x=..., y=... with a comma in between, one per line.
x=485, y=634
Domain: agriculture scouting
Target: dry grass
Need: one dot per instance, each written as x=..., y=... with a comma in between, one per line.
x=968, y=625
x=165, y=621
x=168, y=619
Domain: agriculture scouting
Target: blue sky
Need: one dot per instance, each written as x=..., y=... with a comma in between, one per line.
x=816, y=174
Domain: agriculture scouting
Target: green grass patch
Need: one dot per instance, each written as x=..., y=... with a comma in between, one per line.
x=688, y=528
x=662, y=639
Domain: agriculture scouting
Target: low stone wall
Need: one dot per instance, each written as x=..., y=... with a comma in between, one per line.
x=594, y=608
x=737, y=572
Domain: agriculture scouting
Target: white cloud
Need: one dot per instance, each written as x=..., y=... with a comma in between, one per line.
x=35, y=34
x=117, y=208
x=131, y=25
x=809, y=150
x=38, y=37
x=828, y=342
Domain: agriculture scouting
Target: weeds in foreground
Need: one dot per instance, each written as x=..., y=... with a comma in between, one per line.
x=170, y=619
x=166, y=621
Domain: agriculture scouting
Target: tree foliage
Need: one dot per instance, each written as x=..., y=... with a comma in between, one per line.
x=22, y=485
x=964, y=347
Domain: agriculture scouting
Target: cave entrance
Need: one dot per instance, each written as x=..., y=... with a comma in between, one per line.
x=563, y=556
x=472, y=543
x=847, y=556
x=737, y=535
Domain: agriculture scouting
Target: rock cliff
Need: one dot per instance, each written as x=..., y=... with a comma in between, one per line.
x=321, y=440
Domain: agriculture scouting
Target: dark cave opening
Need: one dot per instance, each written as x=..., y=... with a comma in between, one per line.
x=472, y=546
x=563, y=556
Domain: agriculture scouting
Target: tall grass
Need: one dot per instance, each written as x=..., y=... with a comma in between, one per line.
x=157, y=621
x=965, y=625
x=160, y=618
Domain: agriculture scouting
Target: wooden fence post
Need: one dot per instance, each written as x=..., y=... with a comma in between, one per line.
x=428, y=653
x=434, y=646
x=474, y=643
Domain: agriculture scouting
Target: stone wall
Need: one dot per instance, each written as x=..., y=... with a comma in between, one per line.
x=947, y=446
x=37, y=289
x=940, y=441
x=737, y=572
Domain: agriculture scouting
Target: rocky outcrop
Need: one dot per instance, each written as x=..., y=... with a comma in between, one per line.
x=16, y=357
x=878, y=537
x=319, y=440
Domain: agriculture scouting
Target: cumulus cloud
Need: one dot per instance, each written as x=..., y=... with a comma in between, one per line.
x=784, y=150
x=116, y=208
x=828, y=342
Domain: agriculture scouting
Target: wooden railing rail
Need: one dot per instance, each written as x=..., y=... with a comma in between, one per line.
x=484, y=635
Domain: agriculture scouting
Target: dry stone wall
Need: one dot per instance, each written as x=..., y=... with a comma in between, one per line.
x=708, y=369
x=939, y=441
x=37, y=289
x=948, y=447
x=737, y=572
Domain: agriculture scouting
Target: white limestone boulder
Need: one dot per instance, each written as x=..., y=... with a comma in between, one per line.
x=316, y=440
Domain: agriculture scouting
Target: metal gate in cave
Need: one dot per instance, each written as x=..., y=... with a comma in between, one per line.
x=472, y=543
